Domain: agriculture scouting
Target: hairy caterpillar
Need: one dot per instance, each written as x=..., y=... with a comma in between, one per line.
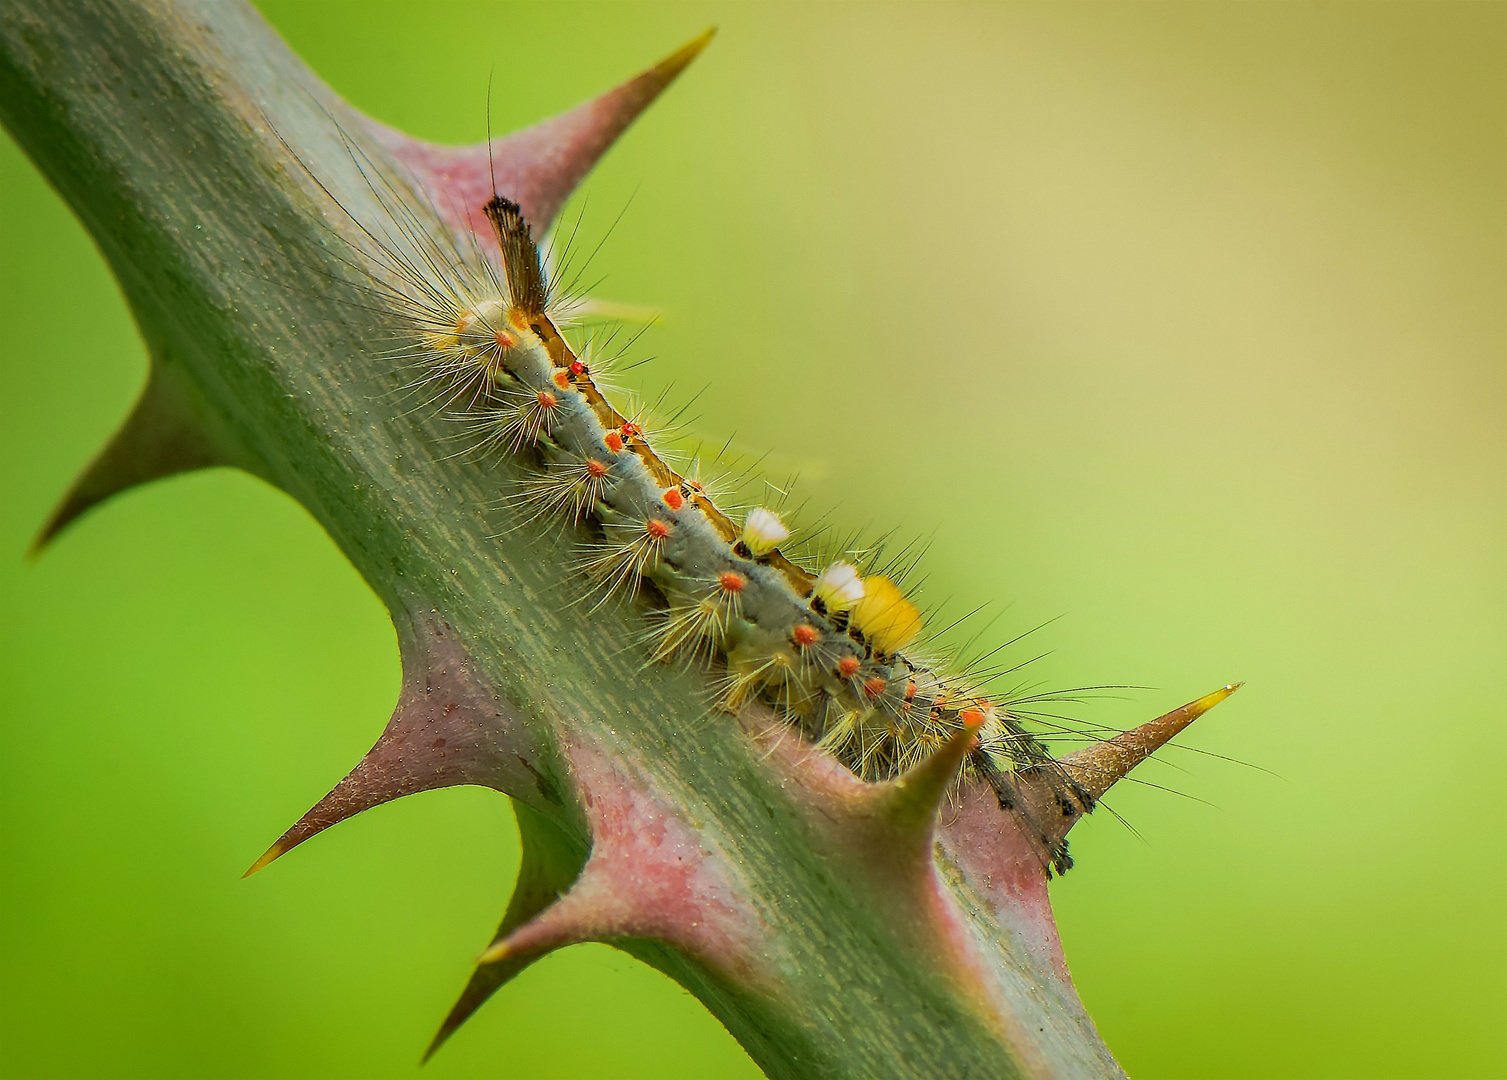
x=829, y=643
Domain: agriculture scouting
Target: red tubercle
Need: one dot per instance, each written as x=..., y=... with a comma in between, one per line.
x=630, y=430
x=562, y=379
x=614, y=442
x=546, y=399
x=805, y=635
x=577, y=369
x=874, y=687
x=730, y=581
x=596, y=468
x=673, y=498
x=848, y=666
x=657, y=529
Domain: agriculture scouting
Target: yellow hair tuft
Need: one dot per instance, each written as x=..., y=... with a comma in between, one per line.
x=886, y=618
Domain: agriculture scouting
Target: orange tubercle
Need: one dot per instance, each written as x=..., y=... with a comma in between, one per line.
x=730, y=581
x=973, y=719
x=805, y=635
x=562, y=379
x=673, y=498
x=874, y=687
x=848, y=666
x=546, y=399
x=657, y=529
x=614, y=442
x=596, y=468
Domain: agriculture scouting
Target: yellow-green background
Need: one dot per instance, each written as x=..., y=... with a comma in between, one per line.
x=1183, y=322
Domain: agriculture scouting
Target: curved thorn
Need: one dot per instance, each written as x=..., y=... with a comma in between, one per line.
x=910, y=802
x=445, y=731
x=588, y=911
x=160, y=438
x=539, y=166
x=545, y=871
x=1100, y=766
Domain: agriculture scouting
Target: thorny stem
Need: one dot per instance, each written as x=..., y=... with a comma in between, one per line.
x=830, y=924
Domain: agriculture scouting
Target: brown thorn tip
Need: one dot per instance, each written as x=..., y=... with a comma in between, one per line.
x=161, y=437
x=1100, y=766
x=271, y=853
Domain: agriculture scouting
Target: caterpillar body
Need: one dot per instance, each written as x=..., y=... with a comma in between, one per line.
x=831, y=647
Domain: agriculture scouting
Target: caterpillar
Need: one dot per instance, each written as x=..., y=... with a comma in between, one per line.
x=830, y=644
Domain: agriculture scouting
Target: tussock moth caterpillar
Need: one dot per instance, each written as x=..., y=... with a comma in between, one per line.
x=830, y=644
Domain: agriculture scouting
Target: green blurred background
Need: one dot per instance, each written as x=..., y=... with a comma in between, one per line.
x=1222, y=292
